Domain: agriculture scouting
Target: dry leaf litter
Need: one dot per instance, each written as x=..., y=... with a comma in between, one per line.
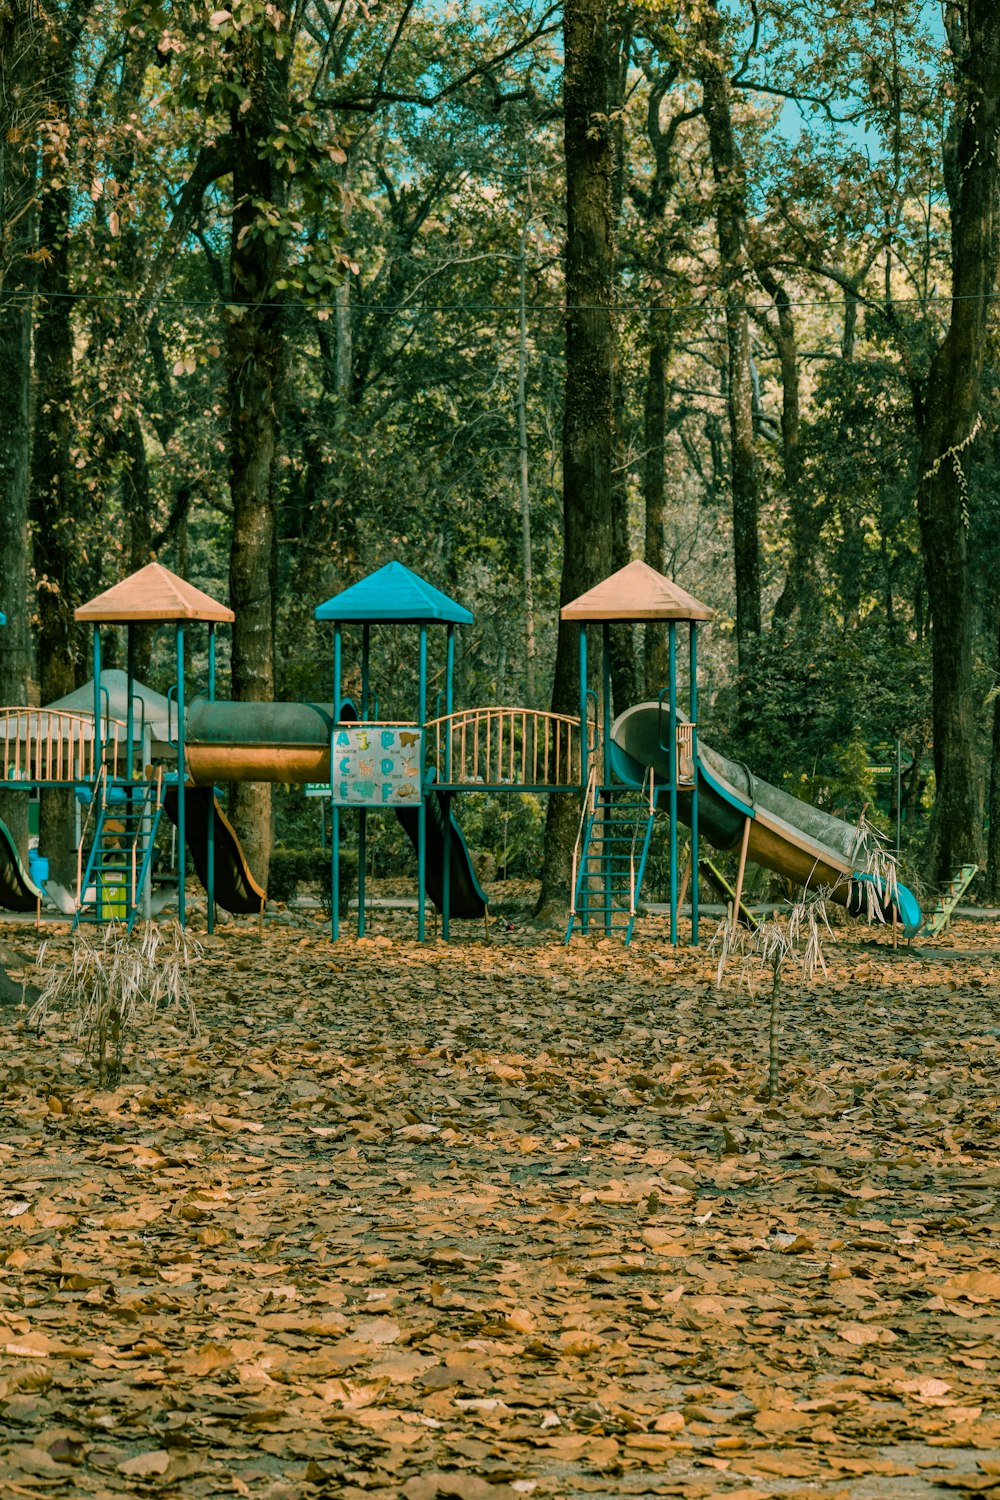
x=508, y=1219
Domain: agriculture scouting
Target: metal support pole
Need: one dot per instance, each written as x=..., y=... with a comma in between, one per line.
x=181, y=774
x=446, y=872
x=672, y=743
x=334, y=809
x=210, y=832
x=130, y=873
x=96, y=657
x=366, y=636
x=584, y=767
x=334, y=870
x=362, y=862
x=608, y=869
x=422, y=812
x=129, y=700
x=693, y=715
x=449, y=703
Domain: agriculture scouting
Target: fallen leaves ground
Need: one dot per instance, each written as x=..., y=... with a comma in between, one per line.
x=509, y=1219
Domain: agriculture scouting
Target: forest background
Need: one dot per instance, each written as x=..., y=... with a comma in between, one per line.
x=515, y=293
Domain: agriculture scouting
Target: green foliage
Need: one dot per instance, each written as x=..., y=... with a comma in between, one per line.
x=819, y=706
x=292, y=869
x=507, y=825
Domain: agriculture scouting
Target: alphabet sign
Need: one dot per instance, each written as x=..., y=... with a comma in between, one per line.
x=377, y=765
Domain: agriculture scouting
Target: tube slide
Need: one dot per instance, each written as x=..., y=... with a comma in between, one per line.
x=18, y=892
x=226, y=741
x=786, y=835
x=235, y=888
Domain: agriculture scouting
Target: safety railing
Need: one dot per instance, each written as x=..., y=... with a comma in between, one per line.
x=645, y=810
x=506, y=747
x=685, y=755
x=45, y=744
x=586, y=814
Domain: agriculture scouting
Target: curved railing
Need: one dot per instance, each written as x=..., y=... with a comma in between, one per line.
x=504, y=747
x=45, y=744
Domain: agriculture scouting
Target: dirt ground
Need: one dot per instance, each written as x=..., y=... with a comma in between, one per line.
x=507, y=1218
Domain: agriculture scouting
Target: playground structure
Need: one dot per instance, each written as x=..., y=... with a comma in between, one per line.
x=127, y=767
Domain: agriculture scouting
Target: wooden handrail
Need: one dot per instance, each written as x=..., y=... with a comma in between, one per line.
x=506, y=747
x=46, y=744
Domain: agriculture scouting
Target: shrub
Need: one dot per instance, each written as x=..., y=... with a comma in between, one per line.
x=291, y=868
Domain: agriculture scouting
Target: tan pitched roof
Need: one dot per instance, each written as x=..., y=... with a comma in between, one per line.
x=636, y=592
x=154, y=593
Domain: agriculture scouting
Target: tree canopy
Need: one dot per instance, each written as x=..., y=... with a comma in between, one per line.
x=286, y=294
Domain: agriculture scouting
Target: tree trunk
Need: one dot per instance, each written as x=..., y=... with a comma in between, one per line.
x=524, y=475
x=798, y=594
x=624, y=665
x=730, y=209
x=52, y=492
x=992, y=885
x=255, y=367
x=657, y=656
x=18, y=167
x=589, y=416
x=947, y=411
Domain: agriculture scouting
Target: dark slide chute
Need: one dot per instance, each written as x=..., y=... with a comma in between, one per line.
x=466, y=897
x=18, y=892
x=235, y=888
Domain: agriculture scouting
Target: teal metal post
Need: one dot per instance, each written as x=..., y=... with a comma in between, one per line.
x=446, y=805
x=606, y=691
x=96, y=659
x=334, y=808
x=210, y=832
x=129, y=700
x=98, y=746
x=608, y=878
x=672, y=719
x=422, y=812
x=363, y=815
x=584, y=767
x=693, y=715
x=181, y=775
x=129, y=874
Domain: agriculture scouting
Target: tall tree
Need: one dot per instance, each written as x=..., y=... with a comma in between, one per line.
x=589, y=420
x=255, y=366
x=56, y=554
x=947, y=406
x=19, y=109
x=729, y=173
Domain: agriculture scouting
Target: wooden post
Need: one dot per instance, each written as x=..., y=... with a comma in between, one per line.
x=738, y=896
x=685, y=877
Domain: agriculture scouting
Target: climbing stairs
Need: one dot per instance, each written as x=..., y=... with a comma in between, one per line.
x=128, y=815
x=945, y=906
x=610, y=859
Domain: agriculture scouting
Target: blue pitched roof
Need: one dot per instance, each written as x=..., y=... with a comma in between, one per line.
x=393, y=595
x=3, y=618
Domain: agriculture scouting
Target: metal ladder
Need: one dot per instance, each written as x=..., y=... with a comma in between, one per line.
x=952, y=894
x=609, y=860
x=128, y=817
